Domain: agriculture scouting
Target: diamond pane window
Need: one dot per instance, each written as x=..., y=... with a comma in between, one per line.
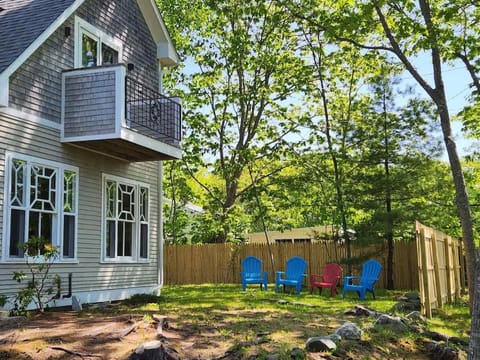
x=126, y=202
x=43, y=188
x=35, y=188
x=125, y=219
x=69, y=186
x=17, y=185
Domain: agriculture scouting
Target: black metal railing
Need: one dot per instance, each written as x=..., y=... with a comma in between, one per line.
x=151, y=113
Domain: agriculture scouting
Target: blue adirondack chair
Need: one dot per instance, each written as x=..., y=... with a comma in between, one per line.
x=365, y=282
x=252, y=273
x=293, y=274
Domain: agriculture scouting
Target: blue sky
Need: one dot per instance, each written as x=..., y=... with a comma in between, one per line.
x=456, y=81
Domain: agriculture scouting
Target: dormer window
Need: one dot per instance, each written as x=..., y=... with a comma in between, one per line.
x=93, y=47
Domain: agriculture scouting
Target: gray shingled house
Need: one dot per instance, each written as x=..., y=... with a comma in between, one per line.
x=84, y=131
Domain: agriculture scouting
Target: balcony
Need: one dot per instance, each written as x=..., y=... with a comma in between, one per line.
x=106, y=111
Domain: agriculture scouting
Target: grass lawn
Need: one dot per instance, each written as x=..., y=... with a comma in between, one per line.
x=223, y=322
x=257, y=322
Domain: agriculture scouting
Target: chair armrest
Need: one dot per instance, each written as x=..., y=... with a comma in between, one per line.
x=315, y=277
x=278, y=273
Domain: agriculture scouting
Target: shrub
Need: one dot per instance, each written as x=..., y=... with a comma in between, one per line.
x=40, y=256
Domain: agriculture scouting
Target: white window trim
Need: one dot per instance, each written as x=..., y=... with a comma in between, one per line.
x=81, y=27
x=59, y=200
x=136, y=245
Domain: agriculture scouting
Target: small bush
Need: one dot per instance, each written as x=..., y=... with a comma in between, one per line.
x=40, y=288
x=143, y=299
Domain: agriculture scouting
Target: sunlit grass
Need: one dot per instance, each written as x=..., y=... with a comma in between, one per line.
x=288, y=320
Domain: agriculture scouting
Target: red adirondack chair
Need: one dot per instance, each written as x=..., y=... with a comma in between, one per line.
x=329, y=279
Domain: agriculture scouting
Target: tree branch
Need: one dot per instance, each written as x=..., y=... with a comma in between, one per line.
x=401, y=55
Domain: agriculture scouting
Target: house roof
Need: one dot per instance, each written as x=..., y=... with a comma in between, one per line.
x=26, y=24
x=17, y=33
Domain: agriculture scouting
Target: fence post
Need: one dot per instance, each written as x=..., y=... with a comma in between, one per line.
x=436, y=271
x=424, y=275
x=461, y=259
x=448, y=264
x=456, y=269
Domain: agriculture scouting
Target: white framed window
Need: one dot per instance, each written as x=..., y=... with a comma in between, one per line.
x=93, y=47
x=125, y=219
x=41, y=199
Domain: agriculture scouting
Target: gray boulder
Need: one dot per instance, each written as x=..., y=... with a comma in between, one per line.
x=393, y=323
x=349, y=331
x=320, y=344
x=297, y=354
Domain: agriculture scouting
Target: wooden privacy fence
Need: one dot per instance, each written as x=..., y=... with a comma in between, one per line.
x=221, y=263
x=441, y=268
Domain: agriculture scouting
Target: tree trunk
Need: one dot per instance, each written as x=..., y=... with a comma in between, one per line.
x=466, y=221
x=388, y=197
x=474, y=346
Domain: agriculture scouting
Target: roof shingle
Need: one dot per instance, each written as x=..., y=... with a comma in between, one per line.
x=23, y=21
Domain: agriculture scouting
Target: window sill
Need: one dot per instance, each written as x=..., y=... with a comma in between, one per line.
x=125, y=261
x=22, y=261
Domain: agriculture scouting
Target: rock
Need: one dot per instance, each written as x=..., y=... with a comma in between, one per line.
x=456, y=340
x=394, y=323
x=408, y=302
x=297, y=354
x=360, y=310
x=349, y=331
x=415, y=316
x=412, y=296
x=272, y=357
x=76, y=304
x=334, y=337
x=441, y=352
x=302, y=304
x=435, y=335
x=320, y=344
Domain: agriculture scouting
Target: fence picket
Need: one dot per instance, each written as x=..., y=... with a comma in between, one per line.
x=433, y=265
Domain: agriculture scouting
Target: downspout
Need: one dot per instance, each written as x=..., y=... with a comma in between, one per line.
x=160, y=225
x=160, y=202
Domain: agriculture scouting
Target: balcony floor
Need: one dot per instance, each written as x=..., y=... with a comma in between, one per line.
x=126, y=150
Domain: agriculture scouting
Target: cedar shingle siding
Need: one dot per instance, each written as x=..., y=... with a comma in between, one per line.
x=92, y=111
x=36, y=86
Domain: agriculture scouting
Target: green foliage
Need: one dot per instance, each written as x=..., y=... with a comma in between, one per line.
x=142, y=299
x=41, y=287
x=3, y=300
x=271, y=91
x=244, y=65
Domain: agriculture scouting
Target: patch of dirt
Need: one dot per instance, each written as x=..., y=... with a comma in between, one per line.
x=70, y=335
